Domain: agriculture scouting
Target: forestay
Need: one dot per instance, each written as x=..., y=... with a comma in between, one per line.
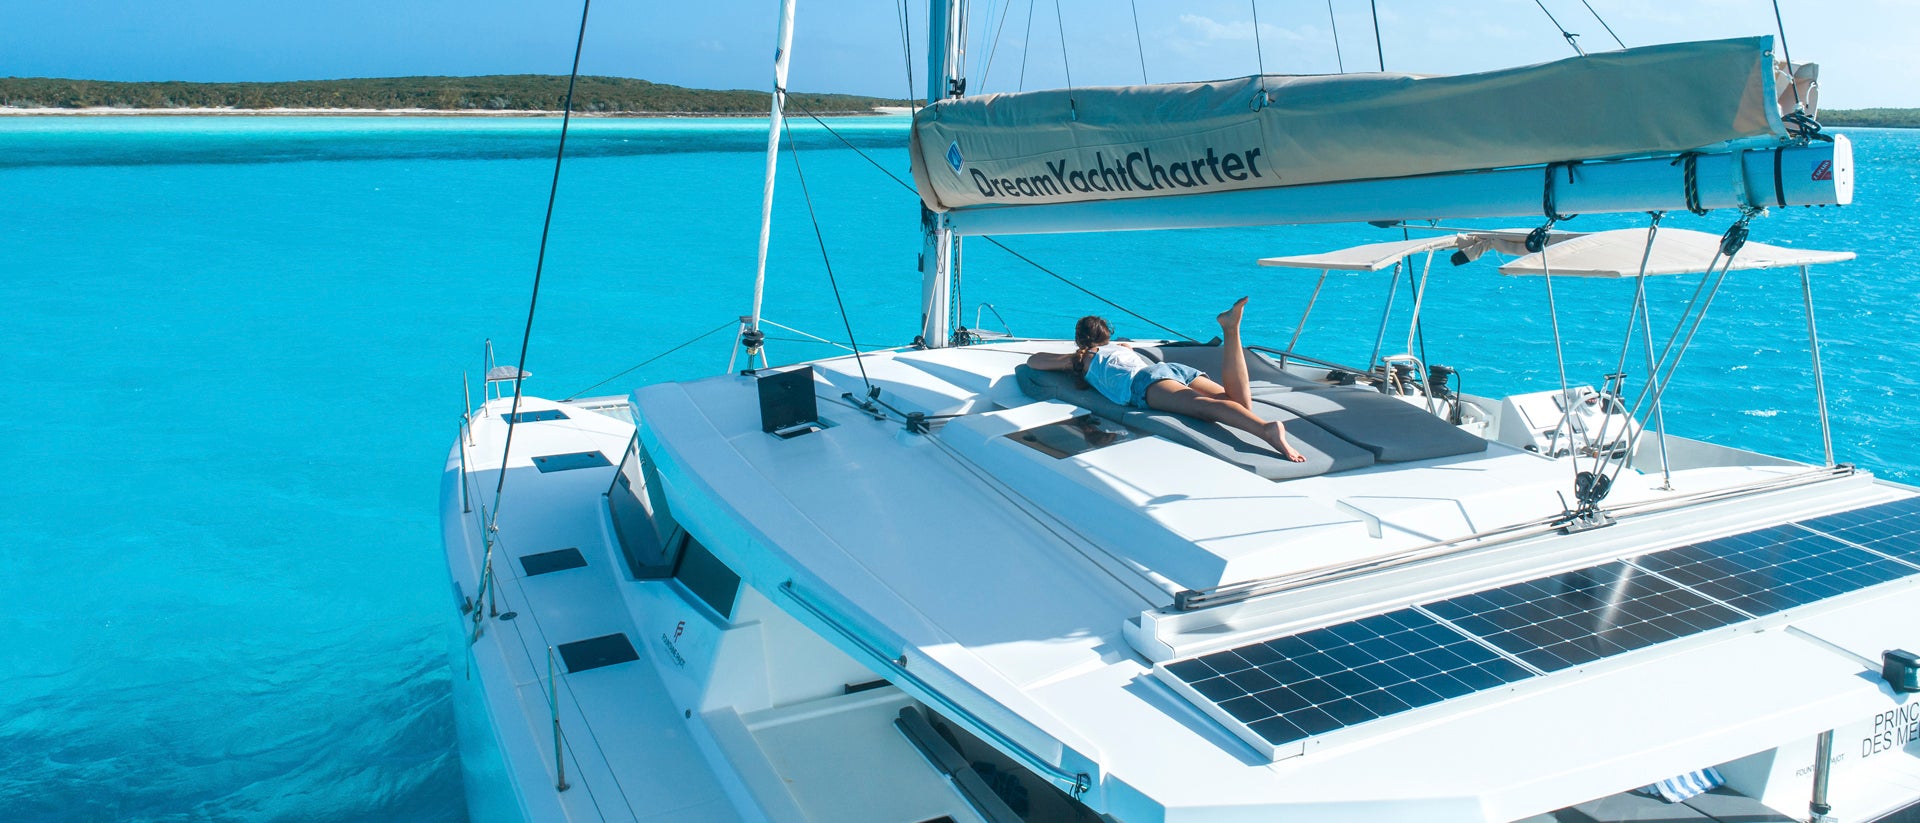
x=1260, y=132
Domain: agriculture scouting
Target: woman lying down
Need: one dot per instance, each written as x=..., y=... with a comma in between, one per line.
x=1124, y=376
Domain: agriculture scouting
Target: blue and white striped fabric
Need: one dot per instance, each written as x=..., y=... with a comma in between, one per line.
x=1676, y=789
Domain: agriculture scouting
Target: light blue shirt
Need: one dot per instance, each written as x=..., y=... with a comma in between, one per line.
x=1112, y=369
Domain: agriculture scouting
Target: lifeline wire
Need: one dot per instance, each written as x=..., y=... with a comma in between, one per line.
x=553, y=192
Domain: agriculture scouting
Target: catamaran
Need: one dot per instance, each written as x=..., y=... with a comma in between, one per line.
x=934, y=583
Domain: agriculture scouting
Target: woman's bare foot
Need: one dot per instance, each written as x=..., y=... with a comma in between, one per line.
x=1231, y=317
x=1276, y=436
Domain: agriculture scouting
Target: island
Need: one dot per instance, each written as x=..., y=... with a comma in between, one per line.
x=505, y=94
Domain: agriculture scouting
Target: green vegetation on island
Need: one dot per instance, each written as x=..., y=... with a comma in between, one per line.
x=1872, y=118
x=501, y=93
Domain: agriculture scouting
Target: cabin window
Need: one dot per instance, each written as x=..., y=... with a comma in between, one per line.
x=642, y=522
x=707, y=577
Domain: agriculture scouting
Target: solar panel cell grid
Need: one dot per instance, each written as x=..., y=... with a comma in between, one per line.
x=1773, y=569
x=1324, y=679
x=1889, y=528
x=1316, y=681
x=1577, y=617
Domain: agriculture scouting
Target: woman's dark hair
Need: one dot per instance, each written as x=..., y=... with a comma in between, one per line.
x=1089, y=334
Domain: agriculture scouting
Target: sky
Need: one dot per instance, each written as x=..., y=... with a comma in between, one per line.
x=1866, y=48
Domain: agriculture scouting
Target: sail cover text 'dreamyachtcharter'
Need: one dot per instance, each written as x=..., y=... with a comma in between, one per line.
x=1108, y=143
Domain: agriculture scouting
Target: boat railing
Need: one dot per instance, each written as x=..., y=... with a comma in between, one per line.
x=559, y=740
x=1196, y=599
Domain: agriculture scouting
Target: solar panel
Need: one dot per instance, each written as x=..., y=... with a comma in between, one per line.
x=1294, y=687
x=1891, y=529
x=1577, y=617
x=1773, y=569
x=1290, y=688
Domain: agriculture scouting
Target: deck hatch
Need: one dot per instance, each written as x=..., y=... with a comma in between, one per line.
x=554, y=561
x=1294, y=687
x=569, y=462
x=1773, y=569
x=1892, y=529
x=541, y=416
x=596, y=652
x=1577, y=617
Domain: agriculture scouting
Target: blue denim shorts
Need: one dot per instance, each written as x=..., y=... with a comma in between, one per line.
x=1156, y=373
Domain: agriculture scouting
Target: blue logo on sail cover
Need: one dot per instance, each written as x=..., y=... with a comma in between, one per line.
x=953, y=156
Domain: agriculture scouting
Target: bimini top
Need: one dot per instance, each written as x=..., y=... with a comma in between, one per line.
x=1268, y=131
x=1370, y=257
x=1675, y=251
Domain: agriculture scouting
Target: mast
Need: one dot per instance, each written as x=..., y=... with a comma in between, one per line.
x=946, y=54
x=750, y=326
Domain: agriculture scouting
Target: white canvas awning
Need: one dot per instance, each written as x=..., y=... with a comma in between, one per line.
x=1370, y=257
x=1675, y=251
x=1377, y=256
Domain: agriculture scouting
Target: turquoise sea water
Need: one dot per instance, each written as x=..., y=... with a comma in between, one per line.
x=236, y=347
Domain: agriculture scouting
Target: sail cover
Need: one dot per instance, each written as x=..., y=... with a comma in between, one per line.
x=1066, y=146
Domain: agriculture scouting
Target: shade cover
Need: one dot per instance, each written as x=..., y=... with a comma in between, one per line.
x=1370, y=257
x=1618, y=253
x=1089, y=144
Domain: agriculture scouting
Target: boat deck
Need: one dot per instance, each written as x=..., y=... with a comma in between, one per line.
x=1024, y=587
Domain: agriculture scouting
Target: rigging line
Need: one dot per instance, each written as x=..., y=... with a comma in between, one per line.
x=1626, y=343
x=793, y=150
x=1603, y=24
x=643, y=363
x=856, y=149
x=1003, y=247
x=1563, y=29
x=1332, y=21
x=540, y=261
x=1065, y=62
x=1377, y=49
x=994, y=50
x=1026, y=46
x=1259, y=53
x=906, y=52
x=1788, y=54
x=1089, y=292
x=1560, y=357
x=1138, y=43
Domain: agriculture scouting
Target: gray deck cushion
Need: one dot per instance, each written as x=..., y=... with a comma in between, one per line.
x=1324, y=451
x=1728, y=806
x=1264, y=375
x=1628, y=807
x=1392, y=429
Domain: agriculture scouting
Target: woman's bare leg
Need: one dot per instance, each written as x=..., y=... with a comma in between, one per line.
x=1169, y=395
x=1233, y=356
